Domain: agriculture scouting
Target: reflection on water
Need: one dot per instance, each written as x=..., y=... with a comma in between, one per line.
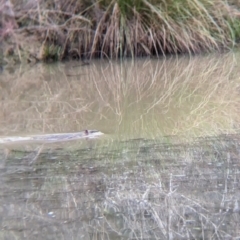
x=154, y=174
x=146, y=98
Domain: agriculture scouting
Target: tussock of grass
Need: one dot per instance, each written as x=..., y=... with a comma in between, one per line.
x=119, y=28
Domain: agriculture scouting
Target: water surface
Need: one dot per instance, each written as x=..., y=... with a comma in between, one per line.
x=190, y=96
x=166, y=168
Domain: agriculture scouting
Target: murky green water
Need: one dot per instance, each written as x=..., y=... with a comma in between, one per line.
x=166, y=168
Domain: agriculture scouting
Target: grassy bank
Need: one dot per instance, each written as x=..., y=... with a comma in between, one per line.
x=57, y=29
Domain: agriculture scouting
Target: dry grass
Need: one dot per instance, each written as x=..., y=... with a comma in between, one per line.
x=81, y=29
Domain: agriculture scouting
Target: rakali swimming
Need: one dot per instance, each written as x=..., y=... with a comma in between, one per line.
x=57, y=137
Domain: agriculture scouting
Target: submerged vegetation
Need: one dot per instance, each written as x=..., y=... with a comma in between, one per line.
x=57, y=29
x=135, y=189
